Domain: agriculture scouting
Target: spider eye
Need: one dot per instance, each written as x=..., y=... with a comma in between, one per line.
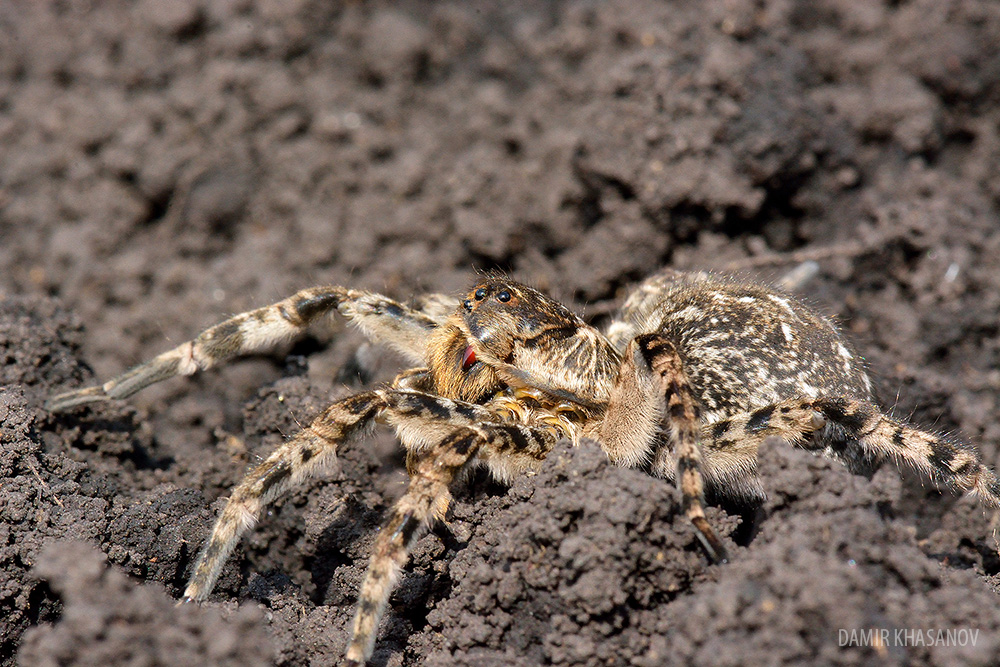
x=480, y=294
x=504, y=296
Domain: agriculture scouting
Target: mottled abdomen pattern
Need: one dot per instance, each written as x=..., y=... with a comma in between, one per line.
x=745, y=347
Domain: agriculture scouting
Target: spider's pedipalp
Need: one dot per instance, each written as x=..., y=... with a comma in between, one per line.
x=262, y=330
x=432, y=473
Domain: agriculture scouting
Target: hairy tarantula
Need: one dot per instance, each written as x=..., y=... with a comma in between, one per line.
x=694, y=374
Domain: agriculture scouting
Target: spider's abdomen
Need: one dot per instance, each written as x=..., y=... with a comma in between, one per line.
x=745, y=346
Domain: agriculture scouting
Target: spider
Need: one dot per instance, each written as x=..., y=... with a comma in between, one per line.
x=696, y=371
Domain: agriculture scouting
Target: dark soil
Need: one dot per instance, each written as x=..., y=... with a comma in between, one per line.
x=165, y=164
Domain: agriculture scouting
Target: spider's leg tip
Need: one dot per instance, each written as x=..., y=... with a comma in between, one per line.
x=185, y=600
x=714, y=549
x=720, y=555
x=71, y=399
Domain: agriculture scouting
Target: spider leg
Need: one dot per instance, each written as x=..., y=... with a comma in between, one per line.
x=859, y=434
x=262, y=329
x=729, y=471
x=728, y=467
x=417, y=417
x=306, y=454
x=652, y=386
x=428, y=495
x=854, y=424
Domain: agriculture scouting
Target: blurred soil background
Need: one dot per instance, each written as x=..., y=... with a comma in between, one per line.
x=166, y=164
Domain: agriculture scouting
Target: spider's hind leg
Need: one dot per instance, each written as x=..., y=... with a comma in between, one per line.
x=860, y=435
x=860, y=424
x=652, y=388
x=263, y=329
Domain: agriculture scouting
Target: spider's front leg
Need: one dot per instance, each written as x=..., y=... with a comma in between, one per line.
x=312, y=449
x=652, y=388
x=501, y=447
x=307, y=453
x=263, y=329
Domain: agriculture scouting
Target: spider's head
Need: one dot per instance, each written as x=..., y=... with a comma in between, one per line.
x=508, y=334
x=502, y=316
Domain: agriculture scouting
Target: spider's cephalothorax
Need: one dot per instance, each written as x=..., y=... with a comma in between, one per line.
x=694, y=374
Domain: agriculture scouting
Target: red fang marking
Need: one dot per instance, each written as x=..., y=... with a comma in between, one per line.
x=468, y=359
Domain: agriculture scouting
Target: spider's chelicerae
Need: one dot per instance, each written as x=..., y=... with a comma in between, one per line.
x=694, y=374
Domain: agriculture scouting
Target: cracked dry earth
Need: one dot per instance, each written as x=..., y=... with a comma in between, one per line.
x=164, y=165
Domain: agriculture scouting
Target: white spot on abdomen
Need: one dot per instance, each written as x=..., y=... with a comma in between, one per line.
x=783, y=302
